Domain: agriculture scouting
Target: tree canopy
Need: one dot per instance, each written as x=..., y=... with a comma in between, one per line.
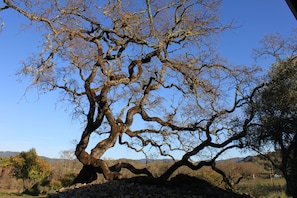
x=142, y=74
x=29, y=167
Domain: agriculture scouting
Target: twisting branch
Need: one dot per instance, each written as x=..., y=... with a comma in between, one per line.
x=148, y=73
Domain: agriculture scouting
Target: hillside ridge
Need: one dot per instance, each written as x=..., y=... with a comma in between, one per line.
x=7, y=154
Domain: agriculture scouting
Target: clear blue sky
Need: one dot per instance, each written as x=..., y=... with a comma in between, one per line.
x=39, y=122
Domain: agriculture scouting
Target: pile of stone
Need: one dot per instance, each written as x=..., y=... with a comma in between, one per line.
x=180, y=186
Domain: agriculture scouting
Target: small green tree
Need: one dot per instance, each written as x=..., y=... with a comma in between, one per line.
x=29, y=167
x=275, y=110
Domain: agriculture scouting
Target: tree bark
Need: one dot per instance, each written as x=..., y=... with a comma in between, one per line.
x=87, y=174
x=291, y=186
x=291, y=177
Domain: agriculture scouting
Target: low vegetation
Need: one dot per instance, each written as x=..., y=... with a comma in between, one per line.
x=253, y=176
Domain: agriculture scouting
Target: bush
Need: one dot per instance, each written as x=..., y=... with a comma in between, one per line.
x=67, y=179
x=29, y=167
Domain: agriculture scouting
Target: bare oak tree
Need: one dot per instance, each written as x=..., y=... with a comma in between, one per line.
x=142, y=74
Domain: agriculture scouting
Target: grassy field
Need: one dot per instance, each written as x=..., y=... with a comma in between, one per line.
x=260, y=188
x=18, y=195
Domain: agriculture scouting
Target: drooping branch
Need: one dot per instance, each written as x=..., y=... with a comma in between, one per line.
x=4, y=7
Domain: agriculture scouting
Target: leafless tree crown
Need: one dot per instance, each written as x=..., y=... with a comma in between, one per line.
x=144, y=74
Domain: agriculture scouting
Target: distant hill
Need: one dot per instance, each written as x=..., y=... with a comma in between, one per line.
x=237, y=159
x=6, y=154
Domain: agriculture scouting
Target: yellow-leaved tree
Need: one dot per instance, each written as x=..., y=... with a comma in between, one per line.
x=32, y=169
